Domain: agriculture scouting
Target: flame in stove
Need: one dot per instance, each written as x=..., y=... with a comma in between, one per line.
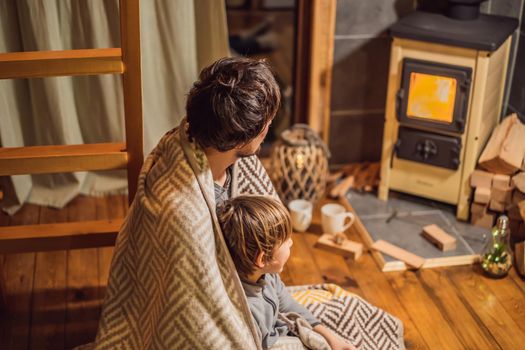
x=431, y=97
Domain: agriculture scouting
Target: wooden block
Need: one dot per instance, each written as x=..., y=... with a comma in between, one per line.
x=478, y=208
x=407, y=257
x=482, y=195
x=519, y=181
x=506, y=147
x=348, y=248
x=480, y=178
x=500, y=181
x=368, y=178
x=342, y=187
x=345, y=185
x=485, y=220
x=436, y=235
x=497, y=206
x=519, y=253
x=360, y=177
x=503, y=195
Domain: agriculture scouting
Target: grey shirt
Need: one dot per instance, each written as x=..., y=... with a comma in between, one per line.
x=267, y=299
x=223, y=193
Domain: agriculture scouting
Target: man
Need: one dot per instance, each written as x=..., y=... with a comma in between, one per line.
x=229, y=111
x=172, y=283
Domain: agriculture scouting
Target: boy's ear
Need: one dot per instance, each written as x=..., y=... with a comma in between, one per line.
x=259, y=260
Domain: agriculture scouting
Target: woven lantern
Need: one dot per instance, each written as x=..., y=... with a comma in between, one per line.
x=299, y=164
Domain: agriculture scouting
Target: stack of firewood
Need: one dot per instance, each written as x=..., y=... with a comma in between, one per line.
x=362, y=177
x=497, y=193
x=499, y=186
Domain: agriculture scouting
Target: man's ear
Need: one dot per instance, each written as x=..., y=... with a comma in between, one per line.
x=259, y=260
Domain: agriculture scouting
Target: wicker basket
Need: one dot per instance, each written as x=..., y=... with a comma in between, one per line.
x=299, y=164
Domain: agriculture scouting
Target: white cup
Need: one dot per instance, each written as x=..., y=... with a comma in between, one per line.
x=334, y=217
x=301, y=214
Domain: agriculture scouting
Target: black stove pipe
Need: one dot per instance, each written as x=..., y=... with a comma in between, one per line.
x=464, y=9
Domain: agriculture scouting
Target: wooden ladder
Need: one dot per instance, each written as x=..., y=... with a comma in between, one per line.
x=70, y=158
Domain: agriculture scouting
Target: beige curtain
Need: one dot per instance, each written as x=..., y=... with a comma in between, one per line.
x=178, y=38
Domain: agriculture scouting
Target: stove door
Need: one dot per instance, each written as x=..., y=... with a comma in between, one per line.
x=434, y=95
x=429, y=148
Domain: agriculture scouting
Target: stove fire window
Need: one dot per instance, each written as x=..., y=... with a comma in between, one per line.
x=434, y=95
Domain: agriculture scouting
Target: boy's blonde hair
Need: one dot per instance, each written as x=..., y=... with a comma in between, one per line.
x=253, y=224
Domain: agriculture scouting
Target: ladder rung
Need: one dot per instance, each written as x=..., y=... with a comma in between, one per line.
x=62, y=158
x=58, y=236
x=37, y=64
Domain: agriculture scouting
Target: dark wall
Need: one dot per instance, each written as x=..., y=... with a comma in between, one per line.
x=359, y=76
x=515, y=87
x=516, y=97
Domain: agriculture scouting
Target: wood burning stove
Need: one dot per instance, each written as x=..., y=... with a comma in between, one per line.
x=445, y=93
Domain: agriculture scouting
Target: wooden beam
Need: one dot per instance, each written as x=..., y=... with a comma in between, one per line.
x=301, y=80
x=58, y=236
x=321, y=64
x=37, y=64
x=132, y=87
x=394, y=251
x=62, y=158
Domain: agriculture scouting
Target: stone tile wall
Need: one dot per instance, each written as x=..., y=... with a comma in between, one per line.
x=359, y=76
x=514, y=99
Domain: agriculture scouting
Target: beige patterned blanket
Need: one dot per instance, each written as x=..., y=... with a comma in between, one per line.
x=172, y=283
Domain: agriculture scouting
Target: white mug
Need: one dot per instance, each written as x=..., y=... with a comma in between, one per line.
x=301, y=214
x=334, y=217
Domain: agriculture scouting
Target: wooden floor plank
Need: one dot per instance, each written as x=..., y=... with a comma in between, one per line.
x=4, y=221
x=518, y=280
x=421, y=307
x=110, y=207
x=333, y=267
x=377, y=290
x=301, y=269
x=49, y=292
x=83, y=299
x=445, y=308
x=285, y=277
x=510, y=296
x=469, y=329
x=480, y=298
x=19, y=275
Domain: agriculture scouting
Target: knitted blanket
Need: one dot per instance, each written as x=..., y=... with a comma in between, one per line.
x=172, y=282
x=358, y=322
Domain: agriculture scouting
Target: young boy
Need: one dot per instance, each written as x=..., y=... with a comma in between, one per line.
x=258, y=234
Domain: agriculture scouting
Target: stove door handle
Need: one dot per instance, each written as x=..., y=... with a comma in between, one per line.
x=400, y=95
x=395, y=149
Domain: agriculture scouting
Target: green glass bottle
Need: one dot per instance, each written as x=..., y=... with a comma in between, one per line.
x=496, y=259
